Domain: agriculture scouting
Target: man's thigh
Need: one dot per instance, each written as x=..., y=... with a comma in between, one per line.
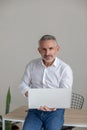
x=54, y=120
x=32, y=121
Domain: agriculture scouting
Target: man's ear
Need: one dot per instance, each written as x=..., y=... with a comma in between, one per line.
x=58, y=47
x=38, y=49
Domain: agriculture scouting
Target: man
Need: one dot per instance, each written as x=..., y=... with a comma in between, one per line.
x=46, y=72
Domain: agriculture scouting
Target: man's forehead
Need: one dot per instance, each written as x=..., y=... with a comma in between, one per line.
x=48, y=43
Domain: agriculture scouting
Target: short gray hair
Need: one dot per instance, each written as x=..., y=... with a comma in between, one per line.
x=47, y=37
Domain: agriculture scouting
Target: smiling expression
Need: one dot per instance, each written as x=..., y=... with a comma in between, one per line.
x=48, y=50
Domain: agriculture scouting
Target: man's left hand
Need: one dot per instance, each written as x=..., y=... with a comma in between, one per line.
x=45, y=108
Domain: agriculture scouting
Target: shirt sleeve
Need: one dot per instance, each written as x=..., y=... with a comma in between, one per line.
x=66, y=78
x=25, y=81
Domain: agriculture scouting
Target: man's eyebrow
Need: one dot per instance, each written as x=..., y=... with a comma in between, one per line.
x=50, y=47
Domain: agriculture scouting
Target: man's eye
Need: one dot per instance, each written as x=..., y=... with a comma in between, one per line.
x=51, y=48
x=44, y=49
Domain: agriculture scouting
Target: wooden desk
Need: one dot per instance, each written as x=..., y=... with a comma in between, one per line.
x=73, y=117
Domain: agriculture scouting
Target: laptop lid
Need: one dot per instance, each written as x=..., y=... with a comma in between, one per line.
x=53, y=98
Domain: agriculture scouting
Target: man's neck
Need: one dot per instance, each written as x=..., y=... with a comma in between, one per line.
x=47, y=64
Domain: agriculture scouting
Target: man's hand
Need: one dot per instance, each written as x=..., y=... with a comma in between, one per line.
x=45, y=108
x=26, y=94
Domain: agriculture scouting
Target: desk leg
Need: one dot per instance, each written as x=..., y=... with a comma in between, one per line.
x=22, y=124
x=3, y=122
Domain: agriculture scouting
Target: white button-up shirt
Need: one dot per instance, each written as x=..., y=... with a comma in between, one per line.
x=37, y=75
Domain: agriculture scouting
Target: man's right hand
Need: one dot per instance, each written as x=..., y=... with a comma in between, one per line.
x=45, y=108
x=26, y=94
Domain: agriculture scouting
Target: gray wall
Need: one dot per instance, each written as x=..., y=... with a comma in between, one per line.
x=23, y=22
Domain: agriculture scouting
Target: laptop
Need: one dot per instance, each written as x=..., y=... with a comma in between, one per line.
x=51, y=97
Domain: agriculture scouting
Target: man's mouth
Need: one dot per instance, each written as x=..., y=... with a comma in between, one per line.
x=47, y=56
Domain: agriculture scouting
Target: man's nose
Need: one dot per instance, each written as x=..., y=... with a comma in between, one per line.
x=47, y=52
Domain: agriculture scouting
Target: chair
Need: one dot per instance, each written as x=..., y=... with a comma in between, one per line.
x=76, y=103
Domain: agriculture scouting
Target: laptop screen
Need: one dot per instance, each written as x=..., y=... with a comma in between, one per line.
x=52, y=98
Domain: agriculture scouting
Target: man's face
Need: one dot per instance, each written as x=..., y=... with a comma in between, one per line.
x=48, y=50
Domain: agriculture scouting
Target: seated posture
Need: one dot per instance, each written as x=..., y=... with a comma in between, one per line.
x=46, y=72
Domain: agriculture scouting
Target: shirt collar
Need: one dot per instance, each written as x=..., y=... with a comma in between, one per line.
x=55, y=63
